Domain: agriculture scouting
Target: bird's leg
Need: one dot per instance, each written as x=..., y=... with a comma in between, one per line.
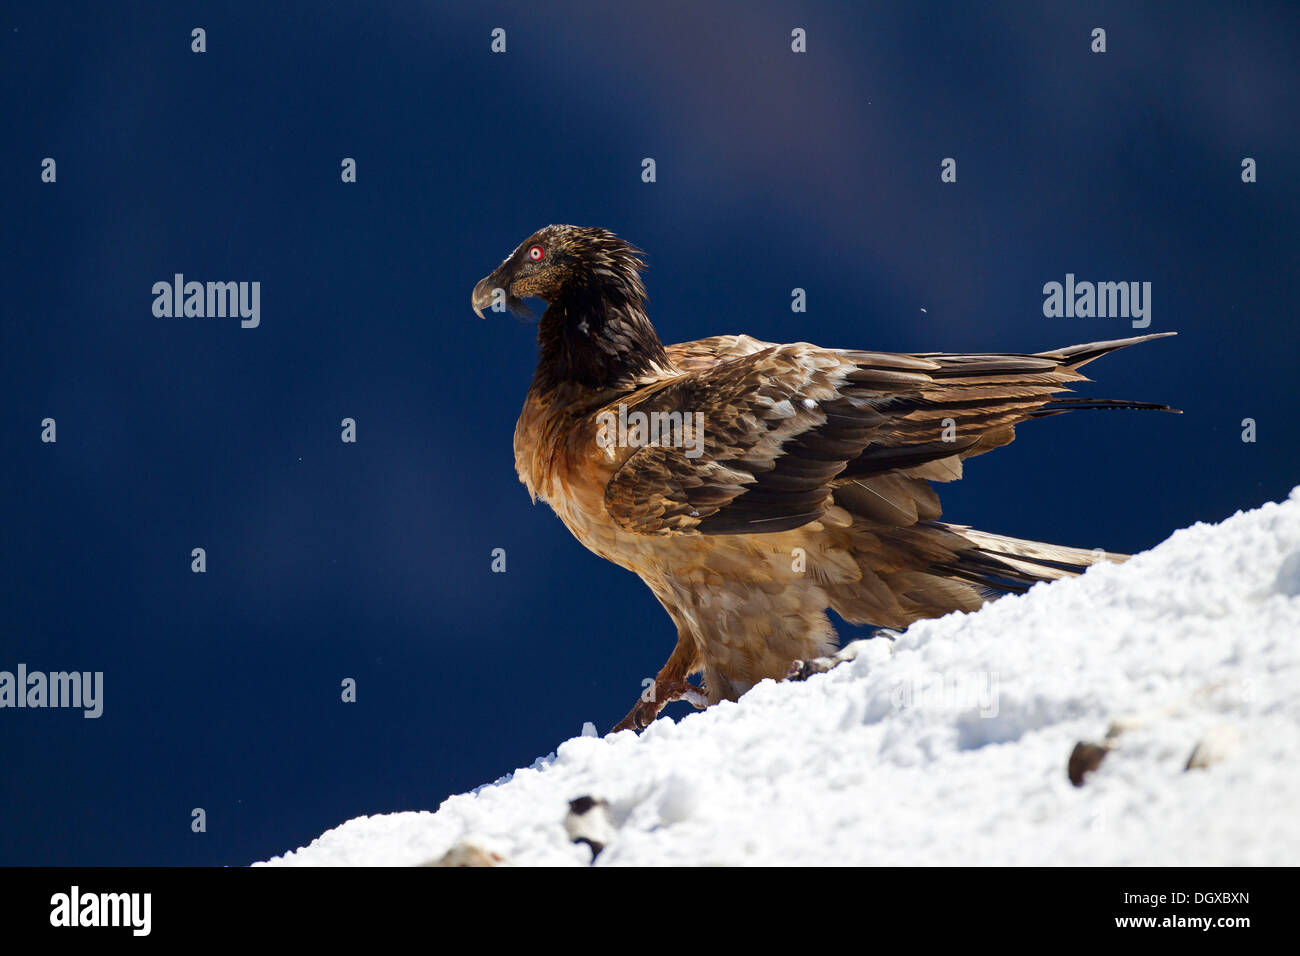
x=656, y=697
x=670, y=684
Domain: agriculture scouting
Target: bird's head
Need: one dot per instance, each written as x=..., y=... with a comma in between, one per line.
x=564, y=261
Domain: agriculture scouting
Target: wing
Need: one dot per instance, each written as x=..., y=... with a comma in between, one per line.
x=706, y=353
x=788, y=431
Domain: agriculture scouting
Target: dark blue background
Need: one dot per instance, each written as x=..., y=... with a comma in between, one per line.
x=372, y=561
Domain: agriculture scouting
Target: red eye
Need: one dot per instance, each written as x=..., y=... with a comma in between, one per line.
x=536, y=253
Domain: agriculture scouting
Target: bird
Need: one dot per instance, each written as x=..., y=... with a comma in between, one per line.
x=752, y=485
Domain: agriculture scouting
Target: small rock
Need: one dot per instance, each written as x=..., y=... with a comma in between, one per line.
x=588, y=822
x=1214, y=747
x=1085, y=758
x=467, y=854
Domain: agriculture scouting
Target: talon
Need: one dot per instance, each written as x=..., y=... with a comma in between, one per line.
x=694, y=697
x=665, y=692
x=802, y=670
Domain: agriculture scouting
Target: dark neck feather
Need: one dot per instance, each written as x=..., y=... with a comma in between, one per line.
x=598, y=336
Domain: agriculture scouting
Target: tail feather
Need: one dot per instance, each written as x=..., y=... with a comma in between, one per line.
x=1005, y=564
x=910, y=565
x=930, y=568
x=1075, y=356
x=1059, y=405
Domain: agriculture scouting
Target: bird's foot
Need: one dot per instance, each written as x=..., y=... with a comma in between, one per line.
x=802, y=670
x=657, y=696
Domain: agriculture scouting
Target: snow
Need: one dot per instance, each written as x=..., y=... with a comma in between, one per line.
x=950, y=744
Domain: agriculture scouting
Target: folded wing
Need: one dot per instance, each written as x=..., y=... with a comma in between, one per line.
x=793, y=432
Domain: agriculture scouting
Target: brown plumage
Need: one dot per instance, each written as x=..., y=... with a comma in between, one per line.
x=808, y=487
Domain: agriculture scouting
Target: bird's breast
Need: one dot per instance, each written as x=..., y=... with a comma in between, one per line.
x=564, y=457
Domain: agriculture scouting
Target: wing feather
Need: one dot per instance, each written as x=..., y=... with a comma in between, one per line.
x=792, y=430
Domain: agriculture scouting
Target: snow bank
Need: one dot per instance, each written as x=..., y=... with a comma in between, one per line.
x=951, y=744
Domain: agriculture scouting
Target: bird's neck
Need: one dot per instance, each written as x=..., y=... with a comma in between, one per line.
x=598, y=340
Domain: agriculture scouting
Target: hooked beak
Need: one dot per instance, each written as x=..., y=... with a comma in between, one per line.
x=482, y=295
x=485, y=292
